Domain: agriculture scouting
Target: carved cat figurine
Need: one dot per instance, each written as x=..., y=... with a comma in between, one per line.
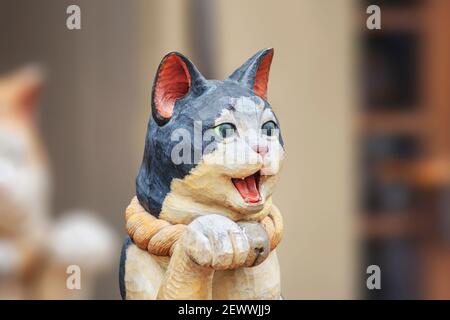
x=212, y=157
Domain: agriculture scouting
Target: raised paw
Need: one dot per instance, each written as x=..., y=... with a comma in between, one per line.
x=216, y=241
x=258, y=241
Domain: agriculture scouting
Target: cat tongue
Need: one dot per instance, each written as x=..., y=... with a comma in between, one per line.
x=247, y=188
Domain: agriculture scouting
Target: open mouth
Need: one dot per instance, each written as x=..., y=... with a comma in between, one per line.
x=248, y=187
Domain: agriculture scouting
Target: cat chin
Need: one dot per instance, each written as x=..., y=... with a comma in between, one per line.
x=252, y=207
x=253, y=211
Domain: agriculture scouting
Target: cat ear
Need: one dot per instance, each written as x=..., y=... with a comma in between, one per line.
x=28, y=83
x=175, y=78
x=254, y=73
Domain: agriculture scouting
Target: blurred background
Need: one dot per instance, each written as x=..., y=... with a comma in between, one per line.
x=364, y=114
x=403, y=143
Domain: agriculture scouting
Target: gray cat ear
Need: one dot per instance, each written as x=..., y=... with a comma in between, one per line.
x=176, y=77
x=254, y=73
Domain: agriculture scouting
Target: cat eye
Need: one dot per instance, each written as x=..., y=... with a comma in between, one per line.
x=269, y=128
x=225, y=130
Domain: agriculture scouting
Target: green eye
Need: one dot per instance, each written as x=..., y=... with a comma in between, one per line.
x=225, y=130
x=269, y=128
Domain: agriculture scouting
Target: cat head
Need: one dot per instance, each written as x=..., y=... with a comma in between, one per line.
x=212, y=146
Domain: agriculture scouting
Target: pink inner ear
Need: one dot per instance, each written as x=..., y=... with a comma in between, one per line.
x=173, y=82
x=262, y=76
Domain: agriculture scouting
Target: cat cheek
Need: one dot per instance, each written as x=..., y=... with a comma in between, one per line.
x=235, y=155
x=270, y=170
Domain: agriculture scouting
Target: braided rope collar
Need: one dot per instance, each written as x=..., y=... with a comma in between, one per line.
x=159, y=236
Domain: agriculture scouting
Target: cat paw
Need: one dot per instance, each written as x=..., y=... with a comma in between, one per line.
x=258, y=241
x=217, y=242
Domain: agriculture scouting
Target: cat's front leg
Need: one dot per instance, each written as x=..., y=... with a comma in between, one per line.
x=255, y=283
x=210, y=243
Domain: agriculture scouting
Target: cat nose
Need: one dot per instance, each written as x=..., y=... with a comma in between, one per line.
x=262, y=150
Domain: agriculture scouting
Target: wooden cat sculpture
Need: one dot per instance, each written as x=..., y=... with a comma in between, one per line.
x=202, y=224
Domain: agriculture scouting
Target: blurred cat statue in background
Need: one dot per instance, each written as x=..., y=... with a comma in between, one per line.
x=35, y=251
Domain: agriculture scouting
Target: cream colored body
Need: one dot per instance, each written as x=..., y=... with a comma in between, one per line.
x=213, y=258
x=151, y=277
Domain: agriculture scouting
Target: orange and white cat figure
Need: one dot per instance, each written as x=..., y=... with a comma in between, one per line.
x=35, y=251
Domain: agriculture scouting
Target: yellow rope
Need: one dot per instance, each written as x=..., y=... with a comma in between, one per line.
x=158, y=236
